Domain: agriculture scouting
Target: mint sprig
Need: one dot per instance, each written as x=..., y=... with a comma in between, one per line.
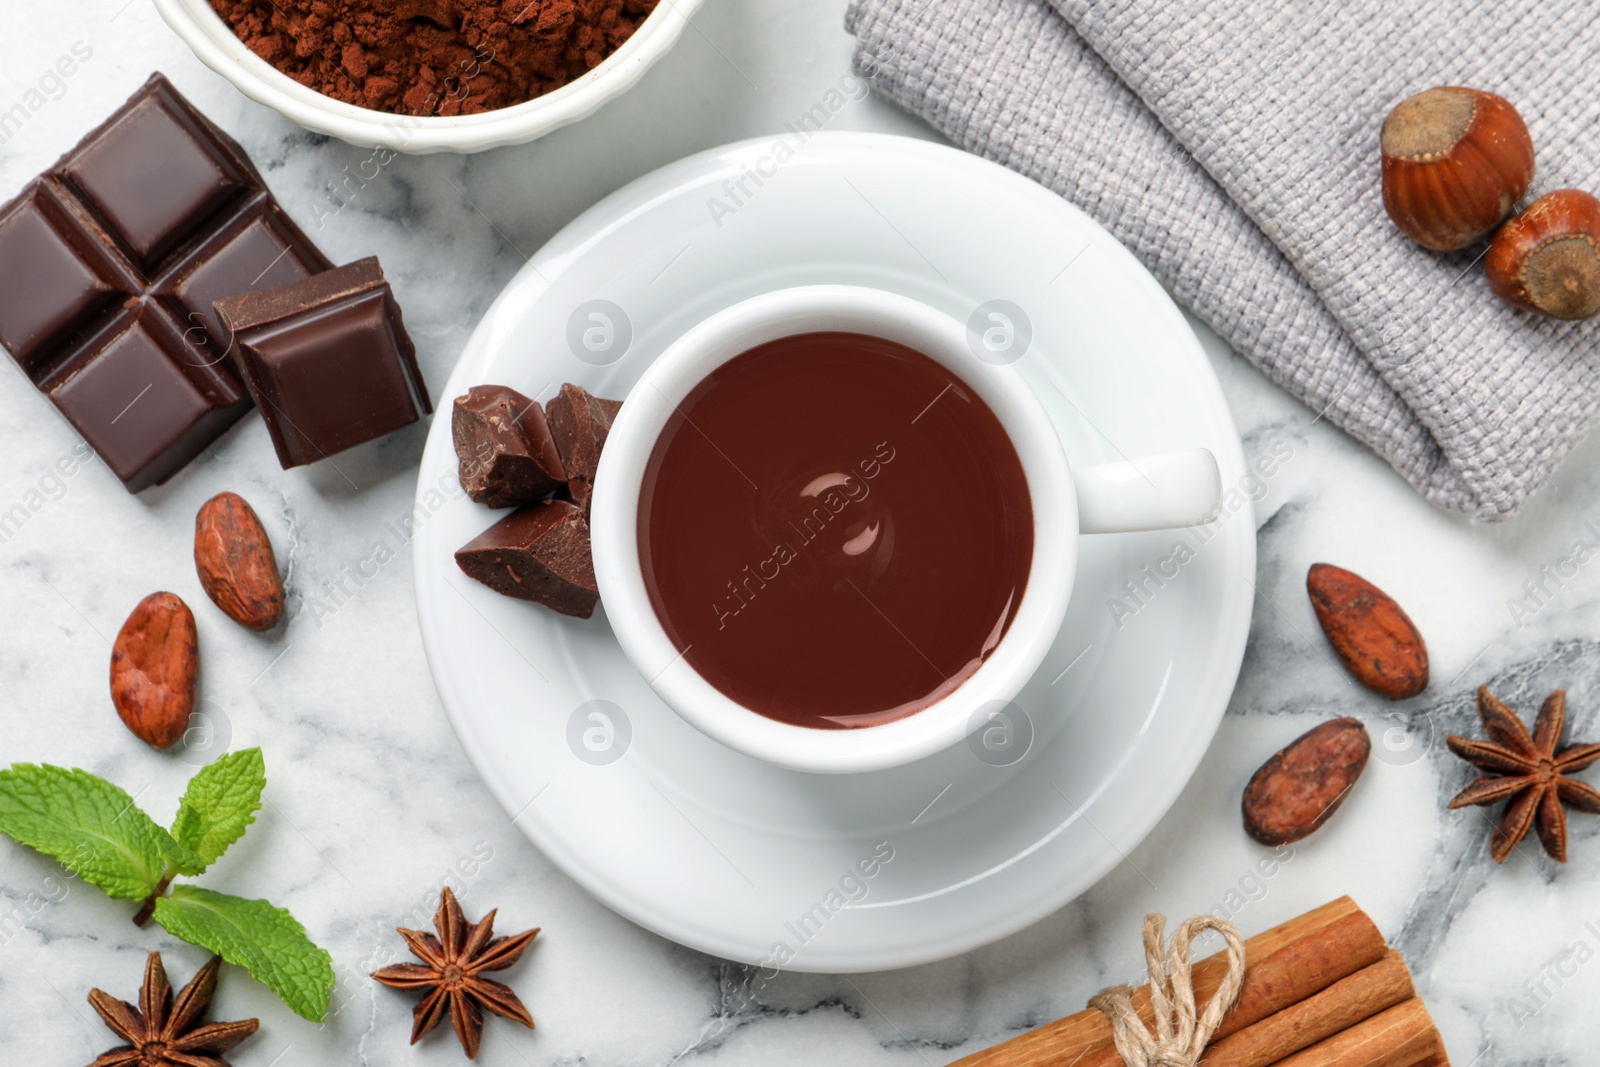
x=95, y=830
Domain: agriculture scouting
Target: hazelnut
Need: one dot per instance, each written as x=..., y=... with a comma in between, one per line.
x=1547, y=259
x=1455, y=164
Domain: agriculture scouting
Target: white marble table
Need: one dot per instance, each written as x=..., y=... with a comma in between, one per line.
x=372, y=806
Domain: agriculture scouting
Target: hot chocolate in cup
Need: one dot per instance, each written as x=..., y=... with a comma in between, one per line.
x=832, y=535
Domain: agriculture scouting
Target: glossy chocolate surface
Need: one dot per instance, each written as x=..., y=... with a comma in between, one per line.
x=155, y=176
x=835, y=529
x=138, y=406
x=109, y=264
x=328, y=361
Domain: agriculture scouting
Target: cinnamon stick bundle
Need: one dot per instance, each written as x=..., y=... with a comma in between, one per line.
x=1313, y=988
x=1283, y=966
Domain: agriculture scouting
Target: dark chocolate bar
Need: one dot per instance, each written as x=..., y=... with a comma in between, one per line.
x=580, y=422
x=507, y=454
x=328, y=361
x=539, y=553
x=109, y=264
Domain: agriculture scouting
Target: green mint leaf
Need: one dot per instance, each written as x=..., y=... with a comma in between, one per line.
x=91, y=826
x=221, y=801
x=264, y=940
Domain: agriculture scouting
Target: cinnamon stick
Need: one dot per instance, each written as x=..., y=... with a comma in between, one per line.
x=1403, y=1036
x=1373, y=989
x=1302, y=968
x=1284, y=965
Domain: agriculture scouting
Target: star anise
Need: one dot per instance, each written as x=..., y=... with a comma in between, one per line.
x=451, y=971
x=162, y=1032
x=1530, y=771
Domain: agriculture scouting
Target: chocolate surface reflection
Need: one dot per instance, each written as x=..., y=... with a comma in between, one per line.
x=836, y=529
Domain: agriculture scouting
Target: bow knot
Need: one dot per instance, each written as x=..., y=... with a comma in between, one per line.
x=1181, y=1034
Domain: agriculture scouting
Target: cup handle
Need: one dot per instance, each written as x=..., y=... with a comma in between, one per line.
x=1159, y=492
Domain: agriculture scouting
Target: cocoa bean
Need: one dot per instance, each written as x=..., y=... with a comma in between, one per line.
x=1300, y=788
x=1374, y=638
x=155, y=665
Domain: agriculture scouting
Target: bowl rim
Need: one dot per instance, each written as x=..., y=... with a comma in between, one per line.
x=619, y=574
x=218, y=47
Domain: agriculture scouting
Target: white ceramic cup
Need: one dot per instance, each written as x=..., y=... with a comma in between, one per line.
x=1169, y=490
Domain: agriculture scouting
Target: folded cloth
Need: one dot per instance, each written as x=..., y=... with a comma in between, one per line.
x=1233, y=146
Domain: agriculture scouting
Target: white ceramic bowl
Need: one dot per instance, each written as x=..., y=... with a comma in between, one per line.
x=616, y=541
x=203, y=30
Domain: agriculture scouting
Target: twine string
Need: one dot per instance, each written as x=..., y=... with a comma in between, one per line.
x=1181, y=1035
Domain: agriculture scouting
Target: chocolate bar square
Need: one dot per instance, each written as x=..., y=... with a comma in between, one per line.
x=328, y=361
x=56, y=279
x=135, y=401
x=156, y=174
x=110, y=263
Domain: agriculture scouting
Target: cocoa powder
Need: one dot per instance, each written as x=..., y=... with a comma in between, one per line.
x=433, y=57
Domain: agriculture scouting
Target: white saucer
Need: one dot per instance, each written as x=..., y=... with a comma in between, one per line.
x=760, y=865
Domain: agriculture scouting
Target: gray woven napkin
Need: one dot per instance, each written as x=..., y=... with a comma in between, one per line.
x=1232, y=145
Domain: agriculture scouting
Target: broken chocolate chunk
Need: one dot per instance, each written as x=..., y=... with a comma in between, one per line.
x=328, y=361
x=540, y=553
x=580, y=423
x=507, y=454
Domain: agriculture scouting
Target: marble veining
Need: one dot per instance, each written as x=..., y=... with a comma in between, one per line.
x=372, y=806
